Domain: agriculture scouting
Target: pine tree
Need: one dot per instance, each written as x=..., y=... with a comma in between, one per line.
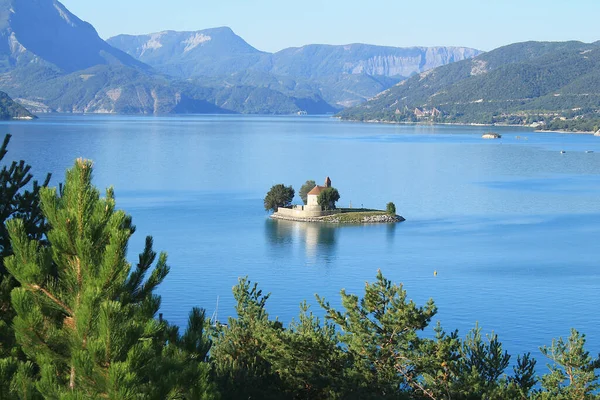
x=84, y=316
x=473, y=368
x=238, y=354
x=16, y=201
x=308, y=359
x=380, y=333
x=573, y=370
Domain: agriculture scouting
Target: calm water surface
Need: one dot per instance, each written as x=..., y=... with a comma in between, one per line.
x=510, y=225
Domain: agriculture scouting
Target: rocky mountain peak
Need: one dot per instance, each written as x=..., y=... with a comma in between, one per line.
x=46, y=31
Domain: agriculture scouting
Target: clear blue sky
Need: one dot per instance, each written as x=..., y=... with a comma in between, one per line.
x=272, y=25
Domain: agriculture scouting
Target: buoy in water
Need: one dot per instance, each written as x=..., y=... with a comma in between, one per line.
x=434, y=273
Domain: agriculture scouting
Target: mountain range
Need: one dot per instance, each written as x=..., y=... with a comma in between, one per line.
x=341, y=75
x=52, y=61
x=539, y=83
x=209, y=52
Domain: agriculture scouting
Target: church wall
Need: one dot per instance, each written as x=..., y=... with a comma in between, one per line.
x=304, y=212
x=312, y=200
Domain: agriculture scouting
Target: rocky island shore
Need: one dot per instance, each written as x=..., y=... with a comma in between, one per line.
x=347, y=216
x=319, y=206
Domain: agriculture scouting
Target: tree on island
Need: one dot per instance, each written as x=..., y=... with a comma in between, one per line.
x=328, y=197
x=390, y=208
x=279, y=196
x=307, y=187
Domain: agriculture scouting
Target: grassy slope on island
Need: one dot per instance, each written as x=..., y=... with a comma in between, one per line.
x=519, y=83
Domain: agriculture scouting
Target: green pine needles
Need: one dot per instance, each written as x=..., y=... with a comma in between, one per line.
x=84, y=315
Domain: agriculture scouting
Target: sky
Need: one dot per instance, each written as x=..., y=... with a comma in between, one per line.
x=272, y=25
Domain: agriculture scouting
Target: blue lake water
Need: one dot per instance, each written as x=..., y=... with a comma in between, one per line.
x=511, y=225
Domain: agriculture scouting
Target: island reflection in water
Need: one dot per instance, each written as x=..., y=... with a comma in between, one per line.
x=316, y=239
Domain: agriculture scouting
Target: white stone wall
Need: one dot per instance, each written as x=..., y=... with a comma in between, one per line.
x=313, y=200
x=304, y=212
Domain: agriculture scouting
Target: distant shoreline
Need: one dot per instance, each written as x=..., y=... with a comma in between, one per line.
x=569, y=132
x=375, y=121
x=533, y=130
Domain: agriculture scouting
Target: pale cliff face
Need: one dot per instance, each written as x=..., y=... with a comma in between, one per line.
x=208, y=52
x=341, y=75
x=316, y=61
x=173, y=46
x=396, y=65
x=190, y=51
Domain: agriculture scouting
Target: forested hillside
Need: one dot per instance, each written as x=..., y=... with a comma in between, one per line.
x=524, y=83
x=9, y=109
x=119, y=89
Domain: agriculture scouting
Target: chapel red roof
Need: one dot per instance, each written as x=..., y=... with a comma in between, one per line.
x=317, y=190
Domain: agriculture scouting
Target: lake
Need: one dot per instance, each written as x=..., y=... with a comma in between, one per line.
x=511, y=226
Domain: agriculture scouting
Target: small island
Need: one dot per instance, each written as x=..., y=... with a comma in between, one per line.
x=491, y=135
x=320, y=206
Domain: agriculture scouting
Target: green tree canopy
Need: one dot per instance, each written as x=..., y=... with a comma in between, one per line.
x=573, y=370
x=239, y=355
x=391, y=208
x=307, y=187
x=279, y=196
x=380, y=332
x=328, y=197
x=19, y=198
x=84, y=316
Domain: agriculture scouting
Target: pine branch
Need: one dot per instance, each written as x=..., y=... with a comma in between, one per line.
x=65, y=308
